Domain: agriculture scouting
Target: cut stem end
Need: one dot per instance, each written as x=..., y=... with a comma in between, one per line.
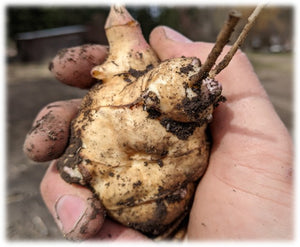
x=237, y=44
x=222, y=39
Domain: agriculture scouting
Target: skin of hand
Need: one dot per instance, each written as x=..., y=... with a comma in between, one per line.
x=247, y=190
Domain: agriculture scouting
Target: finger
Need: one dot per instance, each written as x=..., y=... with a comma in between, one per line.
x=114, y=231
x=49, y=135
x=72, y=66
x=78, y=214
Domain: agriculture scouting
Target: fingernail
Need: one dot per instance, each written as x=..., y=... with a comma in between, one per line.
x=175, y=36
x=70, y=210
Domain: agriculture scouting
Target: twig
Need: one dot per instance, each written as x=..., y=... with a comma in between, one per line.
x=221, y=41
x=237, y=43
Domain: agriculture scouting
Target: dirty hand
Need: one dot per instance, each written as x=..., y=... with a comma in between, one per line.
x=246, y=192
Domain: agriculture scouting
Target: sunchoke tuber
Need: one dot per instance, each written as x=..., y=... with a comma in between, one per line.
x=139, y=141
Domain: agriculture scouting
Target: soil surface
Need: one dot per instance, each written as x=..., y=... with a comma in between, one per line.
x=31, y=86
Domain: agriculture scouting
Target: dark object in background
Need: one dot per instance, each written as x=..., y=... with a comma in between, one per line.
x=38, y=45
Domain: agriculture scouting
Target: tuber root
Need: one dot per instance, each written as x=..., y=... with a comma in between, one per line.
x=139, y=141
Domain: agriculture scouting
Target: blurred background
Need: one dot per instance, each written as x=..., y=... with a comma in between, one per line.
x=35, y=34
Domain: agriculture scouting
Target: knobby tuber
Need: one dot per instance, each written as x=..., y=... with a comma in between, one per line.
x=140, y=140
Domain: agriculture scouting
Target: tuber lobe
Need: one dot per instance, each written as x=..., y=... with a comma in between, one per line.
x=128, y=50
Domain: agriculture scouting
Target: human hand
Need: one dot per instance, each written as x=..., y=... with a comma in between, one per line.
x=246, y=192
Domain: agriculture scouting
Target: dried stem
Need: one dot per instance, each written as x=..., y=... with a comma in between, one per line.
x=221, y=41
x=237, y=43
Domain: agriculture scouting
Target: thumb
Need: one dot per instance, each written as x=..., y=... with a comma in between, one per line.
x=169, y=43
x=76, y=211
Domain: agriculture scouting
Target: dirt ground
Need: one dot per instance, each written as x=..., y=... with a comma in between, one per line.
x=30, y=87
